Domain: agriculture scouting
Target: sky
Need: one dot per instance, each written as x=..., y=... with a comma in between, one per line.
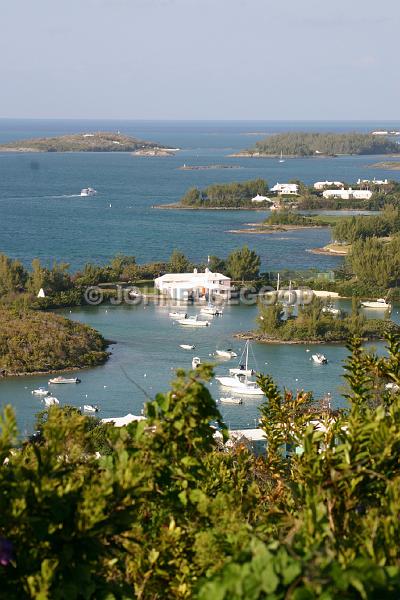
x=200, y=59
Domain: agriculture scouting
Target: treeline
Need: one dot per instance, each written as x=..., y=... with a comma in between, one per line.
x=168, y=512
x=32, y=341
x=233, y=195
x=312, y=144
x=364, y=226
x=374, y=263
x=312, y=324
x=62, y=288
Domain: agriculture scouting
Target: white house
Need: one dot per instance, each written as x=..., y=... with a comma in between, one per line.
x=320, y=185
x=372, y=181
x=348, y=194
x=287, y=189
x=258, y=199
x=181, y=286
x=41, y=293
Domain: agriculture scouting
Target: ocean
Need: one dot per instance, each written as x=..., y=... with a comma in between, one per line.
x=42, y=215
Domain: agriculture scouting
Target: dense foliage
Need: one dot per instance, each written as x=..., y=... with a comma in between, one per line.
x=243, y=264
x=313, y=324
x=311, y=144
x=375, y=263
x=32, y=341
x=287, y=217
x=227, y=195
x=361, y=227
x=101, y=141
x=165, y=514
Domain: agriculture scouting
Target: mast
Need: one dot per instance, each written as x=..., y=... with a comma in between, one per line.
x=247, y=358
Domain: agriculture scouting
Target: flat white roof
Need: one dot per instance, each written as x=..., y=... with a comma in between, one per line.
x=175, y=277
x=121, y=421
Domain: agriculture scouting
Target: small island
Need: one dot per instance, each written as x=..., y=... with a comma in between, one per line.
x=316, y=324
x=319, y=145
x=101, y=141
x=36, y=342
x=388, y=166
x=284, y=220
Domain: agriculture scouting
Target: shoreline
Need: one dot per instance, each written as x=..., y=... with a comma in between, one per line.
x=175, y=206
x=4, y=375
x=274, y=229
x=328, y=252
x=262, y=339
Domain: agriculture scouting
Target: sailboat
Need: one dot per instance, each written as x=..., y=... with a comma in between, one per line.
x=281, y=158
x=240, y=383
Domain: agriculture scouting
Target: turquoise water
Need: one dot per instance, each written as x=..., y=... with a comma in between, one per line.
x=42, y=216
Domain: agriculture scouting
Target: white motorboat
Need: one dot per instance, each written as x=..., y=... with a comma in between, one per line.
x=51, y=401
x=41, y=392
x=90, y=408
x=196, y=362
x=187, y=346
x=193, y=322
x=177, y=315
x=331, y=310
x=212, y=310
x=88, y=192
x=378, y=303
x=320, y=359
x=239, y=383
x=225, y=354
x=230, y=400
x=64, y=380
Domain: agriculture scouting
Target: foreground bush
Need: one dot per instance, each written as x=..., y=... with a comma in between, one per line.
x=165, y=513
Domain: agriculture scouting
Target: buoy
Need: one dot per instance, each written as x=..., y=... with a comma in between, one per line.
x=145, y=375
x=104, y=386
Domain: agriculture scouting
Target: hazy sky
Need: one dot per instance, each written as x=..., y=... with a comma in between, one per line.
x=200, y=59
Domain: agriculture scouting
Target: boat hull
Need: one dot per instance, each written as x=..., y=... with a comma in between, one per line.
x=239, y=387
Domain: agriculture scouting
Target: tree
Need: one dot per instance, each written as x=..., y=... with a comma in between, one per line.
x=243, y=264
x=38, y=277
x=216, y=264
x=13, y=276
x=178, y=263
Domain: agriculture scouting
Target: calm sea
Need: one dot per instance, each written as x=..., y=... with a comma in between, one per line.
x=42, y=215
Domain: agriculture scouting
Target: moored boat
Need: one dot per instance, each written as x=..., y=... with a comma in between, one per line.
x=64, y=380
x=378, y=303
x=51, y=401
x=211, y=310
x=187, y=346
x=196, y=362
x=239, y=383
x=319, y=359
x=40, y=392
x=225, y=353
x=90, y=408
x=193, y=322
x=177, y=315
x=230, y=400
